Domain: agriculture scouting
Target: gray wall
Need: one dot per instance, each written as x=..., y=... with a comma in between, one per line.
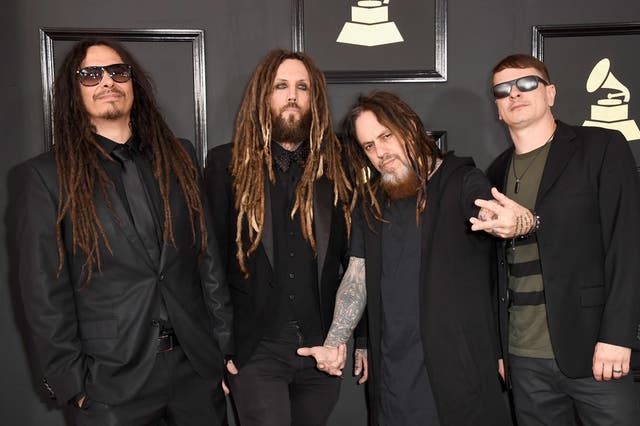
x=238, y=34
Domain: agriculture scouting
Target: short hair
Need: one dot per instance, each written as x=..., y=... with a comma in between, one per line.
x=521, y=60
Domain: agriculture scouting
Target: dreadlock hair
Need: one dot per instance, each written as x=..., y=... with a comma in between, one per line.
x=80, y=174
x=419, y=147
x=252, y=154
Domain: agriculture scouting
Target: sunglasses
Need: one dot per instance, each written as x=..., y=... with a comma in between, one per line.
x=92, y=76
x=524, y=84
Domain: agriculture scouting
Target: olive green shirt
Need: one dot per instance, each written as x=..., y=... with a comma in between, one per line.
x=528, y=327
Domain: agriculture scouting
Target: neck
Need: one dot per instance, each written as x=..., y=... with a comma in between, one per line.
x=117, y=130
x=289, y=146
x=533, y=136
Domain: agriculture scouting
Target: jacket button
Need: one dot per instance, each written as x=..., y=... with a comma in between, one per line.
x=161, y=277
x=292, y=275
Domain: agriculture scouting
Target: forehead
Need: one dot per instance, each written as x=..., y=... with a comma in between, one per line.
x=513, y=73
x=292, y=70
x=100, y=55
x=368, y=127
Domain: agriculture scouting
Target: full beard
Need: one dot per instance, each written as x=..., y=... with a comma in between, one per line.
x=288, y=129
x=400, y=184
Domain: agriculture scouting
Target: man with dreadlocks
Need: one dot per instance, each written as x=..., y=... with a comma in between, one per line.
x=425, y=278
x=132, y=317
x=279, y=197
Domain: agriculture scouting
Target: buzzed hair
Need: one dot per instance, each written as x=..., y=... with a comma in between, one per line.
x=521, y=60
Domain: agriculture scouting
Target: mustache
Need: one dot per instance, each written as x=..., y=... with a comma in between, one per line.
x=113, y=89
x=386, y=158
x=289, y=105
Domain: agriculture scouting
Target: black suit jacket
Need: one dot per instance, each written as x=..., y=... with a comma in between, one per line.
x=250, y=295
x=589, y=244
x=100, y=339
x=457, y=324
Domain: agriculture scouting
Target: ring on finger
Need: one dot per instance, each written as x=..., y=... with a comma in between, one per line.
x=617, y=371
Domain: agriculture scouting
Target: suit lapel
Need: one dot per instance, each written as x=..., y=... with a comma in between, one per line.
x=267, y=229
x=500, y=170
x=322, y=213
x=123, y=222
x=562, y=148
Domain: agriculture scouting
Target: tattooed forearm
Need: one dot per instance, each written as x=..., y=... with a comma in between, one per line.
x=351, y=300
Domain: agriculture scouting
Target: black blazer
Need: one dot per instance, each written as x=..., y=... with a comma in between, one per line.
x=250, y=295
x=457, y=324
x=100, y=339
x=589, y=244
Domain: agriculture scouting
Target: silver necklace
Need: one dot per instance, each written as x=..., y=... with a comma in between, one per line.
x=516, y=187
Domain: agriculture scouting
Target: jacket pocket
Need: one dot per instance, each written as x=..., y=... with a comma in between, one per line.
x=99, y=329
x=592, y=296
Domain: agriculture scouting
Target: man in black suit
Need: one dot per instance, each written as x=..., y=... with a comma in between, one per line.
x=279, y=199
x=121, y=282
x=569, y=271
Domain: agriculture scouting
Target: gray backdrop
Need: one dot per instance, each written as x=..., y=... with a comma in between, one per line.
x=237, y=34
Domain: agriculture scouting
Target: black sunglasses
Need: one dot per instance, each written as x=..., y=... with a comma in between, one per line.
x=524, y=84
x=92, y=76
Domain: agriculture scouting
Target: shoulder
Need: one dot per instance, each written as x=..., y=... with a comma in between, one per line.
x=220, y=156
x=43, y=164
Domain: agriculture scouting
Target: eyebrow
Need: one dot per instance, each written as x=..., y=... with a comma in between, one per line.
x=377, y=137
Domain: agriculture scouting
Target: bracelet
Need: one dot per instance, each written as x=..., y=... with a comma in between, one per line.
x=534, y=228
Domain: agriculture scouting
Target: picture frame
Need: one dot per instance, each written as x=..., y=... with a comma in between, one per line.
x=421, y=56
x=600, y=85
x=175, y=58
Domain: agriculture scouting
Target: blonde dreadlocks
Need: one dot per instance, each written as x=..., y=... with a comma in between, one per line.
x=252, y=154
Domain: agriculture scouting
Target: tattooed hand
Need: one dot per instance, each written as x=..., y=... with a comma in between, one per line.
x=502, y=217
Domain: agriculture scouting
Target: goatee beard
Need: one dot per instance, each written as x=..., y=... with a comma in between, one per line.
x=403, y=184
x=290, y=129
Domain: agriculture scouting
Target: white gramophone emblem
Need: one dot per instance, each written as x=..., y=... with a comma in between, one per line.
x=370, y=25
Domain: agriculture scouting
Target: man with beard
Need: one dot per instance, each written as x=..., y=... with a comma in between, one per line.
x=424, y=277
x=122, y=285
x=279, y=198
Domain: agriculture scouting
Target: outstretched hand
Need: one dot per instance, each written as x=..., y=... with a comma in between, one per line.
x=329, y=359
x=502, y=217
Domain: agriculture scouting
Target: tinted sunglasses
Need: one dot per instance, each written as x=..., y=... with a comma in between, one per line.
x=92, y=76
x=524, y=84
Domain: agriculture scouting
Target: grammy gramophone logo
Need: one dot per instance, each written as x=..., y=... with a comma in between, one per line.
x=370, y=25
x=610, y=111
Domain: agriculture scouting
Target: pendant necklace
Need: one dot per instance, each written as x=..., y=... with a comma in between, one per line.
x=516, y=188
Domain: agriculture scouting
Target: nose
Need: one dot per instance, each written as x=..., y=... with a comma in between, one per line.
x=106, y=81
x=291, y=96
x=515, y=92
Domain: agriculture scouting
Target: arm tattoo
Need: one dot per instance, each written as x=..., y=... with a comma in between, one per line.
x=351, y=300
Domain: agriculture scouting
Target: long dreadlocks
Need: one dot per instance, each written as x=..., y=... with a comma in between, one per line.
x=420, y=148
x=252, y=154
x=80, y=174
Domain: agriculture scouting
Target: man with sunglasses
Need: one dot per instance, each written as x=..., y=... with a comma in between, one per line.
x=567, y=217
x=121, y=281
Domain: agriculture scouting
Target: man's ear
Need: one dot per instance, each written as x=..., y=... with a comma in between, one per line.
x=551, y=94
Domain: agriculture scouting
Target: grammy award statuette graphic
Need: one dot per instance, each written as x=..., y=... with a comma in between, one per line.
x=370, y=25
x=612, y=111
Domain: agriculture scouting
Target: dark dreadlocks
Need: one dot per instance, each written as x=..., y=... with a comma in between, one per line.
x=80, y=175
x=420, y=148
x=252, y=153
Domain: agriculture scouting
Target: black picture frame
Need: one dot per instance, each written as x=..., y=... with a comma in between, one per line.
x=586, y=44
x=440, y=136
x=49, y=36
x=436, y=71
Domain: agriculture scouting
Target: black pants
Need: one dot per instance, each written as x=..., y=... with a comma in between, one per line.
x=174, y=392
x=542, y=395
x=277, y=387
